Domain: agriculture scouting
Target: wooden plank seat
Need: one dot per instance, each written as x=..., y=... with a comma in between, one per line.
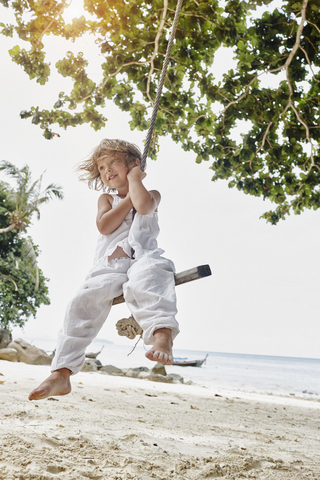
x=180, y=278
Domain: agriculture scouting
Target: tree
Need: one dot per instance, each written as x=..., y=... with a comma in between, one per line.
x=22, y=284
x=27, y=198
x=19, y=299
x=277, y=156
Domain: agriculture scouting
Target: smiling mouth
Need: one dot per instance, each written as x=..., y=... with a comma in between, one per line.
x=112, y=177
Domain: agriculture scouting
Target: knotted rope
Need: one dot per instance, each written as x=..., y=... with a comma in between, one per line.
x=128, y=327
x=161, y=83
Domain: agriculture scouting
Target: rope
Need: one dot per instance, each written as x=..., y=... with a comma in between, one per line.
x=128, y=327
x=161, y=83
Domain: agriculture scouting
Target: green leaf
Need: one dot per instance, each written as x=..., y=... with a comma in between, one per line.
x=14, y=51
x=241, y=45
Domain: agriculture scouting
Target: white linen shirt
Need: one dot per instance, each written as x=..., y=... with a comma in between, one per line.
x=140, y=235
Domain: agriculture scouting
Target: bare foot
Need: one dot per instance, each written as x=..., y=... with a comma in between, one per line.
x=161, y=350
x=58, y=383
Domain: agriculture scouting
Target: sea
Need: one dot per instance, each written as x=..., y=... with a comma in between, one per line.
x=261, y=374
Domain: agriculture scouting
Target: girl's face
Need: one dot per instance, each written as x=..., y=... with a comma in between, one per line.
x=113, y=172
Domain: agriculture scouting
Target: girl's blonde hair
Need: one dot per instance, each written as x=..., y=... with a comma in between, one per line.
x=114, y=148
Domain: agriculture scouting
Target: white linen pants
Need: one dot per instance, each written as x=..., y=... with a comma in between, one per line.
x=148, y=287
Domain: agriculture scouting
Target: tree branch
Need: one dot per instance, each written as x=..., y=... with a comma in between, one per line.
x=306, y=126
x=188, y=127
x=316, y=26
x=308, y=60
x=286, y=65
x=49, y=25
x=264, y=137
x=296, y=46
x=243, y=95
x=112, y=75
x=298, y=35
x=151, y=61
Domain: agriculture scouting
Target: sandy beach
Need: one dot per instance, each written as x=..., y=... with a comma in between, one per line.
x=131, y=429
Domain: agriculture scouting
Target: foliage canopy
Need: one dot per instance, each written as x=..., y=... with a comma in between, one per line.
x=277, y=154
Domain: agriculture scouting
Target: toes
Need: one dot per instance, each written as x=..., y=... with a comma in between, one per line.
x=149, y=355
x=33, y=396
x=170, y=360
x=164, y=358
x=160, y=357
x=38, y=394
x=153, y=355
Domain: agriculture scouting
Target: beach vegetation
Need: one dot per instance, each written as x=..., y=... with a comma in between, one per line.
x=23, y=287
x=257, y=123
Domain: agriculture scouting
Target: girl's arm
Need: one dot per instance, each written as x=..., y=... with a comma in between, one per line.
x=143, y=200
x=108, y=218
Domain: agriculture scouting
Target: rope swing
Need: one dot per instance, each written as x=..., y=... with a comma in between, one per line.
x=161, y=83
x=128, y=327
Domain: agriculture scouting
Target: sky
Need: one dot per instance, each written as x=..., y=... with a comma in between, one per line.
x=263, y=295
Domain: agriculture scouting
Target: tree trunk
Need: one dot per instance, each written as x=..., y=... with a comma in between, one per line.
x=8, y=229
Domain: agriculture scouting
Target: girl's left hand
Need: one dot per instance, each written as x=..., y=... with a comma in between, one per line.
x=136, y=172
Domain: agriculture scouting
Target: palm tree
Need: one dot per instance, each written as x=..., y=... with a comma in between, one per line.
x=27, y=198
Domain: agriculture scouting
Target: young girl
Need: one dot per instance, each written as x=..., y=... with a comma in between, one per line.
x=127, y=261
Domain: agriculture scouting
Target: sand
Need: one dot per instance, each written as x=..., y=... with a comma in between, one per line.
x=130, y=429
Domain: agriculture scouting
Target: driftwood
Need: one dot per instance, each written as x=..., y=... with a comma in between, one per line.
x=180, y=278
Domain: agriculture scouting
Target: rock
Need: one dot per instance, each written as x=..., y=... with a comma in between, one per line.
x=5, y=338
x=135, y=372
x=131, y=373
x=159, y=369
x=144, y=375
x=29, y=354
x=157, y=374
x=111, y=370
x=156, y=377
x=175, y=378
x=89, y=366
x=10, y=354
x=141, y=369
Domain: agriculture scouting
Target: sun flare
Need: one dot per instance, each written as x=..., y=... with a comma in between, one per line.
x=75, y=9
